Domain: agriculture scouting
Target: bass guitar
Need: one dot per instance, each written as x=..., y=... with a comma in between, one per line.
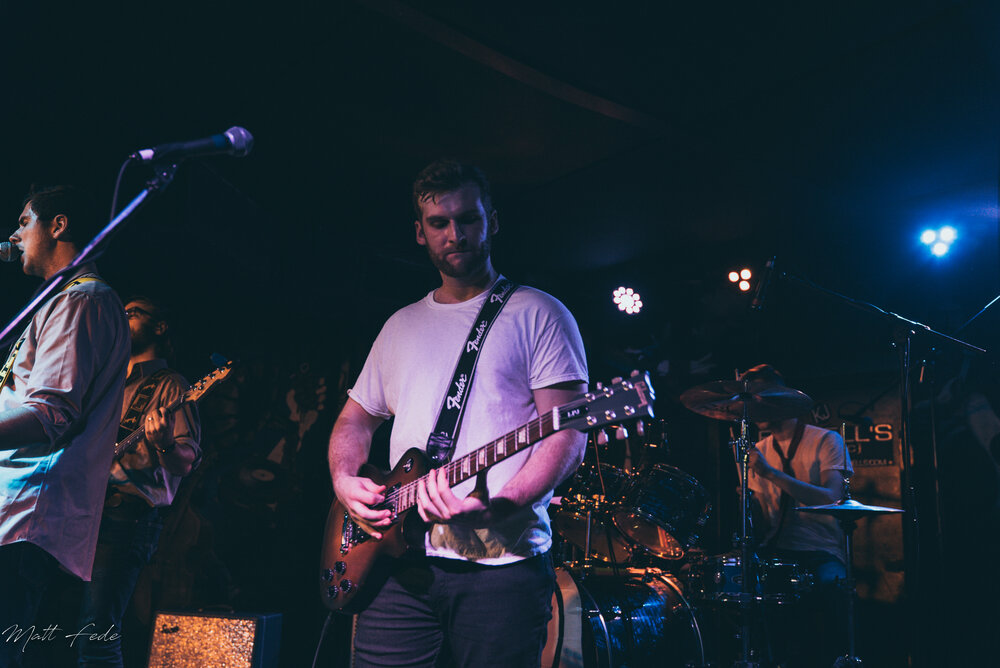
x=193, y=394
x=349, y=553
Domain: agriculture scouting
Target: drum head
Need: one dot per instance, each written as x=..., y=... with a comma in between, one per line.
x=663, y=510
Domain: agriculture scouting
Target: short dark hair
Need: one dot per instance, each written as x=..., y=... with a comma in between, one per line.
x=74, y=203
x=446, y=175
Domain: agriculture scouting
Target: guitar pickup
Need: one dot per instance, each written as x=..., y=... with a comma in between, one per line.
x=387, y=505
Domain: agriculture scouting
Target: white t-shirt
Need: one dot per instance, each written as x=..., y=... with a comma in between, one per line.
x=534, y=343
x=820, y=450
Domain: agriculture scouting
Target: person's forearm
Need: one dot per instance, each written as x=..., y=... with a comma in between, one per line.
x=19, y=426
x=803, y=492
x=552, y=461
x=347, y=453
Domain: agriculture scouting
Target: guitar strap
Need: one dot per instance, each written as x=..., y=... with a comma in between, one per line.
x=139, y=404
x=9, y=364
x=441, y=442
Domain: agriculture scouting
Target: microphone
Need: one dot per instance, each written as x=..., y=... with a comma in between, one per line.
x=760, y=294
x=9, y=252
x=235, y=141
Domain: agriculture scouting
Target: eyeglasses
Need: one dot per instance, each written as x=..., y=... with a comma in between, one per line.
x=135, y=312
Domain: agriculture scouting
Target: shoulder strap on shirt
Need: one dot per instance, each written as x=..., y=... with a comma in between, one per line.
x=139, y=403
x=82, y=279
x=9, y=364
x=441, y=442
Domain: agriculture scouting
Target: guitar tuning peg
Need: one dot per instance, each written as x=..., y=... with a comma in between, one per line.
x=621, y=433
x=616, y=380
x=600, y=385
x=640, y=428
x=601, y=437
x=636, y=372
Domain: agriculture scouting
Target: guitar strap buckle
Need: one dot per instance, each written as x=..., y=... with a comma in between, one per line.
x=440, y=446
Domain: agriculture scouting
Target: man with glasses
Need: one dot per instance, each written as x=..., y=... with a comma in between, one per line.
x=60, y=397
x=143, y=482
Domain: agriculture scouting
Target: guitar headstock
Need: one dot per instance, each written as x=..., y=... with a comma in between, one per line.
x=203, y=385
x=625, y=399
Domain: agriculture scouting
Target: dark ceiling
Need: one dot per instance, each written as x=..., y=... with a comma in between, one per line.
x=658, y=144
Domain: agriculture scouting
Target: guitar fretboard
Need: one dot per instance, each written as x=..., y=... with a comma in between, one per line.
x=128, y=443
x=405, y=497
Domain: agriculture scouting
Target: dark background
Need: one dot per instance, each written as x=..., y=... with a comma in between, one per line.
x=654, y=145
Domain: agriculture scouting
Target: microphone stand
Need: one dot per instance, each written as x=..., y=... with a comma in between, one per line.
x=904, y=332
x=162, y=177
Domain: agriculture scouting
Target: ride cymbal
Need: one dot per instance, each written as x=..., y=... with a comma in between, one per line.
x=847, y=509
x=764, y=402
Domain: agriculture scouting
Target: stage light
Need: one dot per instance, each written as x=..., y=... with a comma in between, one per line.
x=734, y=277
x=745, y=274
x=744, y=286
x=939, y=241
x=628, y=300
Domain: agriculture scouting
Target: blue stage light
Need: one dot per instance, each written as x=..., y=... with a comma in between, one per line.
x=947, y=234
x=940, y=248
x=928, y=237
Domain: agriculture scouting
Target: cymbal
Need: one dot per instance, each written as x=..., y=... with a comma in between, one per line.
x=849, y=509
x=725, y=399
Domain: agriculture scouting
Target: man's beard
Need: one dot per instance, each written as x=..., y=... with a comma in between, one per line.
x=472, y=266
x=143, y=339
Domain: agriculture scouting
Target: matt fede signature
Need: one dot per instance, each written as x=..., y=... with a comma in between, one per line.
x=15, y=634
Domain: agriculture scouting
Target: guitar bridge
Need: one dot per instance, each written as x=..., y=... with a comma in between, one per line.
x=351, y=534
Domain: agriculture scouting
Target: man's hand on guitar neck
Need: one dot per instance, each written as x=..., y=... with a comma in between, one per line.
x=357, y=493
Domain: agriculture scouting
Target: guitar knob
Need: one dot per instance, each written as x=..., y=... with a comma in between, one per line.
x=640, y=428
x=621, y=433
x=346, y=586
x=331, y=592
x=327, y=575
x=602, y=437
x=340, y=567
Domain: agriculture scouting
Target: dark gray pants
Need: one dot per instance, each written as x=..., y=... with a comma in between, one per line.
x=441, y=612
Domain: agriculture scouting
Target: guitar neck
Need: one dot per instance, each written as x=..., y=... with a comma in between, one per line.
x=481, y=459
x=130, y=442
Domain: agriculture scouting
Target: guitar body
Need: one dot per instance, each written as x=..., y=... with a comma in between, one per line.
x=349, y=564
x=352, y=564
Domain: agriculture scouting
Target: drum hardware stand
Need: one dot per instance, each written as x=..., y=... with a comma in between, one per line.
x=747, y=600
x=847, y=523
x=847, y=511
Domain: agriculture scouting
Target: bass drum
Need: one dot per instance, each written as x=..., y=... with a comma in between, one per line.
x=637, y=618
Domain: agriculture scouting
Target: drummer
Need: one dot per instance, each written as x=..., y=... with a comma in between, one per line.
x=798, y=464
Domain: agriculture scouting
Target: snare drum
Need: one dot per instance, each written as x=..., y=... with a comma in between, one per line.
x=663, y=509
x=719, y=578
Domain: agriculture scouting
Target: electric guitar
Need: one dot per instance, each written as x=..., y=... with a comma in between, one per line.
x=349, y=553
x=193, y=394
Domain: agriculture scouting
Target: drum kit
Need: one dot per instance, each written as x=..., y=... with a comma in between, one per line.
x=633, y=590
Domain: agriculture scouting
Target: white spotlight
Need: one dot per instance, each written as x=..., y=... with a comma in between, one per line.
x=628, y=300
